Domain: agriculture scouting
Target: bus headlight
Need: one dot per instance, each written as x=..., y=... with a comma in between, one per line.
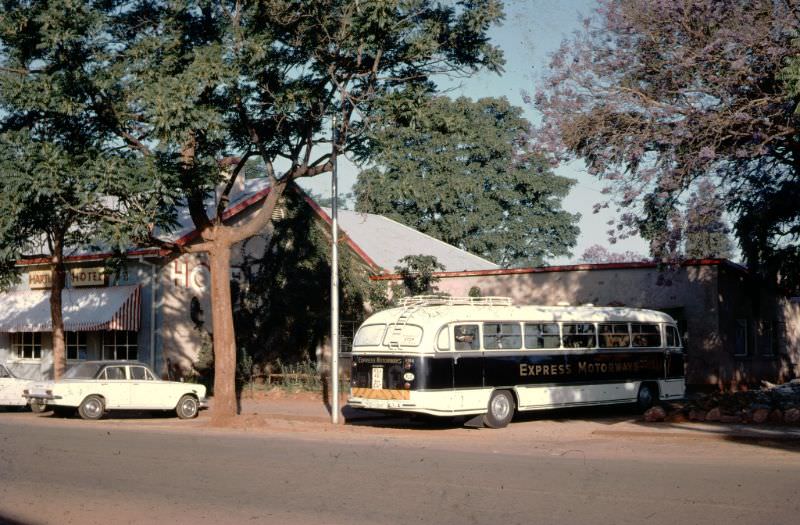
x=407, y=386
x=408, y=376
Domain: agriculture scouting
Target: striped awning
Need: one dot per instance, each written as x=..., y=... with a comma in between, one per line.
x=84, y=309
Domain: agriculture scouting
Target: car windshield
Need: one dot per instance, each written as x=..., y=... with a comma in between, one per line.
x=83, y=371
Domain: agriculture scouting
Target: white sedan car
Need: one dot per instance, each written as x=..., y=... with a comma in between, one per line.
x=11, y=388
x=95, y=387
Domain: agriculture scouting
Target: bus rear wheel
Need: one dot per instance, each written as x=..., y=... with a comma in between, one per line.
x=500, y=410
x=646, y=398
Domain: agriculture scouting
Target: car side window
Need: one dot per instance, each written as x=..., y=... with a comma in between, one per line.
x=114, y=373
x=140, y=373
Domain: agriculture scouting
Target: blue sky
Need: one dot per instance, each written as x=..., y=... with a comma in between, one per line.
x=533, y=29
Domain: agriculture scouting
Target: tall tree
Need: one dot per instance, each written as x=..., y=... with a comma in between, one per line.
x=58, y=162
x=213, y=84
x=465, y=172
x=286, y=304
x=657, y=97
x=707, y=232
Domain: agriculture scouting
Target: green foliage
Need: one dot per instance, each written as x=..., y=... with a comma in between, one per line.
x=464, y=172
x=417, y=273
x=64, y=182
x=284, y=314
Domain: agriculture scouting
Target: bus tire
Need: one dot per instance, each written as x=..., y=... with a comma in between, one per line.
x=647, y=396
x=500, y=410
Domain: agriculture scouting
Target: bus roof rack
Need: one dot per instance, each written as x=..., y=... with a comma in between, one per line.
x=445, y=300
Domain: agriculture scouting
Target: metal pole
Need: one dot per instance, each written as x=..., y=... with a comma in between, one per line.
x=334, y=282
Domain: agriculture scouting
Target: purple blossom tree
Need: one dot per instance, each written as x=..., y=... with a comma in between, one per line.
x=662, y=98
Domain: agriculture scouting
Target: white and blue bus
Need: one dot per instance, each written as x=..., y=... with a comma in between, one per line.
x=450, y=356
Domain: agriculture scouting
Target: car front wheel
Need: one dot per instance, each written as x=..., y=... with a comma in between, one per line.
x=188, y=407
x=92, y=407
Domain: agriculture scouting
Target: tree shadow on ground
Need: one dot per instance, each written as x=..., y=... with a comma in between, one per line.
x=777, y=437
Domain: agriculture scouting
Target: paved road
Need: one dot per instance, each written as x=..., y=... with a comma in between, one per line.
x=56, y=471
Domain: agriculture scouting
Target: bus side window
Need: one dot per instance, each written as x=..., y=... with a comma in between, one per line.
x=542, y=335
x=466, y=336
x=614, y=335
x=673, y=339
x=579, y=335
x=497, y=336
x=645, y=335
x=443, y=339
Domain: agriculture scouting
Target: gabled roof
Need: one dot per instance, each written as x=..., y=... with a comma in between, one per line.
x=379, y=241
x=386, y=242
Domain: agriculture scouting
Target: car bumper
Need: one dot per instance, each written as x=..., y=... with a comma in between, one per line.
x=40, y=397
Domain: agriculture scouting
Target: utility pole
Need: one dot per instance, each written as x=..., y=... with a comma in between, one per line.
x=335, y=279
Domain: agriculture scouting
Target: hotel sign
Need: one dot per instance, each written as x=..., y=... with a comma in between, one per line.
x=39, y=279
x=42, y=279
x=88, y=277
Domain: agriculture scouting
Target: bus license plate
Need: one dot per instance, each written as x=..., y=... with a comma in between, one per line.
x=377, y=378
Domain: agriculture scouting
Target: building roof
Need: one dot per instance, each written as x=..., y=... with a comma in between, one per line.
x=386, y=242
x=577, y=268
x=379, y=241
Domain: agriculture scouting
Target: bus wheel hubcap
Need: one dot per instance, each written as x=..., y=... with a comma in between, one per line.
x=500, y=407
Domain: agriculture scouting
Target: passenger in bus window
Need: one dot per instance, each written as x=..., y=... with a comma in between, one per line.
x=466, y=337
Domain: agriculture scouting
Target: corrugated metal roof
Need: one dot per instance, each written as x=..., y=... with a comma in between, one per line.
x=386, y=242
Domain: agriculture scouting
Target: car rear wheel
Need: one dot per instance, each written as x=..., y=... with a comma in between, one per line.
x=500, y=410
x=92, y=407
x=188, y=407
x=38, y=406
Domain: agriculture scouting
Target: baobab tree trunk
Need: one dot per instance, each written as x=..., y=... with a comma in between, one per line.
x=219, y=257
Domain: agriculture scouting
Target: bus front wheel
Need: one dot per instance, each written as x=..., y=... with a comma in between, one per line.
x=500, y=410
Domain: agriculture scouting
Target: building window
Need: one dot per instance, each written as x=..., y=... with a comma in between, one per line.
x=27, y=345
x=77, y=348
x=120, y=345
x=740, y=341
x=769, y=340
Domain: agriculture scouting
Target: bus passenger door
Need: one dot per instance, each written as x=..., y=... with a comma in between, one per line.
x=467, y=367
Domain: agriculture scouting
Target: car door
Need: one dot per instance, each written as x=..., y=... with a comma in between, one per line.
x=6, y=386
x=114, y=386
x=147, y=392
